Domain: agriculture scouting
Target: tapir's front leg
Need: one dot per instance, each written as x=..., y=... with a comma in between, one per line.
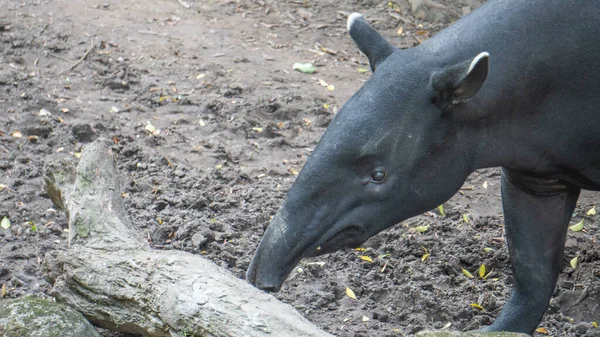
x=537, y=213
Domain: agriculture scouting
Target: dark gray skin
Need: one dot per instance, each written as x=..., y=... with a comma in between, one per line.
x=431, y=115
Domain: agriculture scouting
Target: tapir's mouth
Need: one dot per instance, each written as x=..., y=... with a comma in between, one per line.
x=350, y=236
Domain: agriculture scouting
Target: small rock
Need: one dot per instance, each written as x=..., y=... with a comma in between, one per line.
x=84, y=133
x=581, y=329
x=198, y=240
x=49, y=319
x=4, y=272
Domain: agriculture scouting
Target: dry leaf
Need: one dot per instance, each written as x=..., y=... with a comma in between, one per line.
x=426, y=255
x=421, y=229
x=150, y=128
x=574, y=261
x=3, y=290
x=475, y=305
x=441, y=210
x=542, y=330
x=17, y=134
x=331, y=87
x=5, y=223
x=466, y=272
x=360, y=249
x=400, y=31
x=366, y=258
x=592, y=211
x=482, y=270
x=350, y=293
x=577, y=227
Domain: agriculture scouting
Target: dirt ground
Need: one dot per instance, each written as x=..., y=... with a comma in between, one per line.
x=211, y=125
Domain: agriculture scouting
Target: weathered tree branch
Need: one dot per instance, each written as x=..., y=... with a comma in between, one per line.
x=112, y=277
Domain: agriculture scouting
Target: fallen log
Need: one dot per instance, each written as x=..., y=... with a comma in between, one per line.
x=116, y=281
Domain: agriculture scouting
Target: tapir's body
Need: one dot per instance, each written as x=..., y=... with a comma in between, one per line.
x=515, y=84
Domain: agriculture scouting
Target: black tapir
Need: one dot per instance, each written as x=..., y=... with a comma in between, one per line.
x=514, y=84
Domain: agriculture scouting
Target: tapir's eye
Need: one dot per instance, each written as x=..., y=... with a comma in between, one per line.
x=378, y=176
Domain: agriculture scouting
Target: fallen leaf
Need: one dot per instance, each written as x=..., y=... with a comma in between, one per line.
x=3, y=290
x=257, y=129
x=542, y=330
x=366, y=258
x=421, y=229
x=482, y=270
x=577, y=227
x=5, y=223
x=114, y=109
x=365, y=319
x=426, y=255
x=362, y=70
x=322, y=83
x=350, y=293
x=592, y=211
x=307, y=68
x=44, y=113
x=200, y=76
x=17, y=134
x=465, y=218
x=360, y=249
x=326, y=106
x=77, y=154
x=441, y=210
x=150, y=128
x=485, y=185
x=400, y=31
x=64, y=110
x=475, y=305
x=488, y=249
x=574, y=261
x=595, y=325
x=331, y=87
x=293, y=171
x=466, y=272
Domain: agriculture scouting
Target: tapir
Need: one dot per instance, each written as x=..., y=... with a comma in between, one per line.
x=515, y=84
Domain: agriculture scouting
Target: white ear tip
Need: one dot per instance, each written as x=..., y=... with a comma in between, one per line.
x=352, y=18
x=476, y=60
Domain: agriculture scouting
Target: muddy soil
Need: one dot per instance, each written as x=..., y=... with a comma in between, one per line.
x=211, y=126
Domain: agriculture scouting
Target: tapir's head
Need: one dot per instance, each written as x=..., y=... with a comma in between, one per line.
x=393, y=151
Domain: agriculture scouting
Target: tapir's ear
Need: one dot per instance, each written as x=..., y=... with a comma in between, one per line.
x=459, y=82
x=368, y=40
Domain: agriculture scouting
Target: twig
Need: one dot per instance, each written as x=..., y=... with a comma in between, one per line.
x=80, y=60
x=184, y=4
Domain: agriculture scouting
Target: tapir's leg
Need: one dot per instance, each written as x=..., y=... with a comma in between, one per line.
x=536, y=213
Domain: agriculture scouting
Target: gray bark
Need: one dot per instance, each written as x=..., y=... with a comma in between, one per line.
x=115, y=280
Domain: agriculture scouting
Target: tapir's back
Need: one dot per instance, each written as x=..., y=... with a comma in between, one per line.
x=544, y=75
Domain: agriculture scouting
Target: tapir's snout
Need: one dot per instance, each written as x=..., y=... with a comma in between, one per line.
x=289, y=239
x=278, y=253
